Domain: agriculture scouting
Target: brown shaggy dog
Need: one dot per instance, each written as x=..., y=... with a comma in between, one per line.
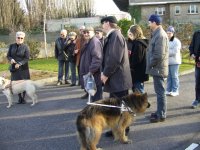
x=93, y=119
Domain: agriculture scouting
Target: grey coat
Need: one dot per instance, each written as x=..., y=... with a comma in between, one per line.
x=91, y=60
x=157, y=54
x=116, y=63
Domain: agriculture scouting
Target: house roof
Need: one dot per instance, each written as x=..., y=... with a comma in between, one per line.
x=158, y=2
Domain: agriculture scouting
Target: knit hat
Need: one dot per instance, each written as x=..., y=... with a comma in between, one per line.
x=111, y=19
x=155, y=18
x=98, y=30
x=89, y=29
x=72, y=34
x=170, y=29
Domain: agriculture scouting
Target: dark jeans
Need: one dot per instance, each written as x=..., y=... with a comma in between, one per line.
x=61, y=64
x=73, y=72
x=98, y=94
x=197, y=83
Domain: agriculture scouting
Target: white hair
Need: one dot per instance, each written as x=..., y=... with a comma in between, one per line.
x=63, y=31
x=82, y=28
x=20, y=34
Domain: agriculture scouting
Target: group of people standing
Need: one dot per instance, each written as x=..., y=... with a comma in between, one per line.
x=116, y=68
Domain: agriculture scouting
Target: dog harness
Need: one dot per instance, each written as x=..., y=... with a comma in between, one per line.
x=123, y=106
x=9, y=86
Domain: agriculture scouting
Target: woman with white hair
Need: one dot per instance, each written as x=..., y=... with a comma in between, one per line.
x=18, y=56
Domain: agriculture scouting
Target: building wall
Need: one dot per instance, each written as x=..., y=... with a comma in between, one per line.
x=57, y=25
x=170, y=16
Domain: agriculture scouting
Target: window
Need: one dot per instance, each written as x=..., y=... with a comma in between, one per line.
x=177, y=10
x=193, y=9
x=160, y=11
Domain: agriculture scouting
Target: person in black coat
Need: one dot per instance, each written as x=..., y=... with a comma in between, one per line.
x=195, y=54
x=138, y=58
x=63, y=62
x=18, y=56
x=70, y=51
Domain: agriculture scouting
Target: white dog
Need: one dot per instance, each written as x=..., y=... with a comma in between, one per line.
x=19, y=86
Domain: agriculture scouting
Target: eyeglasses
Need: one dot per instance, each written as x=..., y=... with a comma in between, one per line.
x=20, y=38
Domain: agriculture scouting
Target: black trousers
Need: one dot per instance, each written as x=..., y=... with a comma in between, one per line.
x=119, y=94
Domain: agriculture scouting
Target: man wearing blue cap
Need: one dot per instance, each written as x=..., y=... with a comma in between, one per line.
x=157, y=65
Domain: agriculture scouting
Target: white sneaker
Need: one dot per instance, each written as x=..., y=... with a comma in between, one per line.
x=174, y=94
x=168, y=93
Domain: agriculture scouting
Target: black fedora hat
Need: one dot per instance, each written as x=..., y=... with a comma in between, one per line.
x=111, y=19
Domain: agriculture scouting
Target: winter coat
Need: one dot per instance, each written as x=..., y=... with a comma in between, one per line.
x=157, y=54
x=195, y=45
x=69, y=50
x=116, y=63
x=138, y=60
x=91, y=60
x=60, y=45
x=20, y=53
x=174, y=51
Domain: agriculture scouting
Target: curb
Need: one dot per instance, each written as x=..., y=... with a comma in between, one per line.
x=54, y=79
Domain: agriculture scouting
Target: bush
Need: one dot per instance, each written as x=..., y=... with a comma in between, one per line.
x=34, y=48
x=124, y=24
x=3, y=45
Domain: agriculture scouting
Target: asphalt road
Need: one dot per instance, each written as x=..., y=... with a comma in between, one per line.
x=50, y=125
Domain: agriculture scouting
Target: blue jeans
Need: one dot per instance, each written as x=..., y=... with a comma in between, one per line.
x=159, y=87
x=173, y=79
x=138, y=86
x=73, y=72
x=197, y=83
x=61, y=64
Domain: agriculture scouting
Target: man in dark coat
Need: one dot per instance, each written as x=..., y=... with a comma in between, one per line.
x=116, y=74
x=91, y=60
x=62, y=57
x=195, y=54
x=18, y=56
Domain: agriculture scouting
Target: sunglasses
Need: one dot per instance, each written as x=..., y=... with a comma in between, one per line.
x=20, y=38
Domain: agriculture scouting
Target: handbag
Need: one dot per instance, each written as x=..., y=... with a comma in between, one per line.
x=89, y=84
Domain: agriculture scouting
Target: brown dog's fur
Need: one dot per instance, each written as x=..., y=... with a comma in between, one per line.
x=93, y=119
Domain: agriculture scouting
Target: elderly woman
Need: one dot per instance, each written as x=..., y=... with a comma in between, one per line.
x=18, y=56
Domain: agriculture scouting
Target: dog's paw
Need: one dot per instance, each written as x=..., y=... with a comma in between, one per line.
x=127, y=142
x=32, y=104
x=8, y=106
x=99, y=148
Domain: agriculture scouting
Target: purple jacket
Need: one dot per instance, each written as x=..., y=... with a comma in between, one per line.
x=91, y=60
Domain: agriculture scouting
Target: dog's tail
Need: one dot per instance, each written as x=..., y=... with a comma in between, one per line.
x=85, y=132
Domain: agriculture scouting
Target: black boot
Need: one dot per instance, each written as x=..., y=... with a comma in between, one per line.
x=20, y=98
x=23, y=98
